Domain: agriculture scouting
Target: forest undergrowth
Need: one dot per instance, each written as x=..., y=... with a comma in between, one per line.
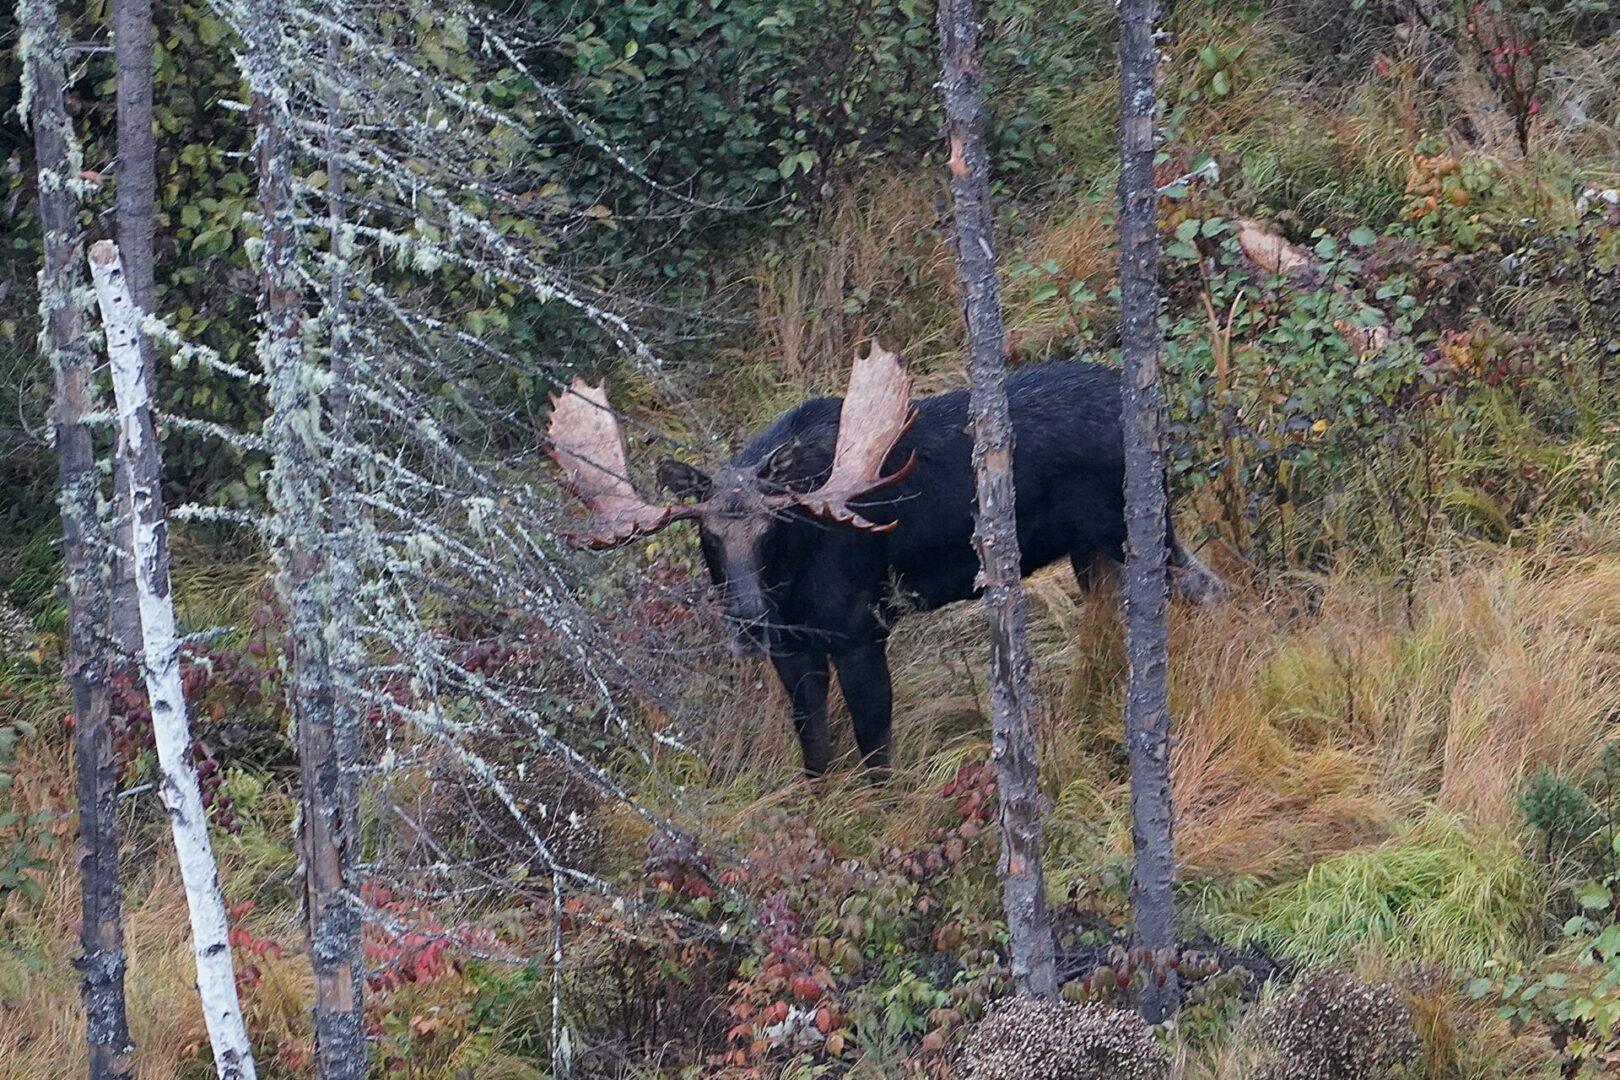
x=1349, y=778
x=1394, y=742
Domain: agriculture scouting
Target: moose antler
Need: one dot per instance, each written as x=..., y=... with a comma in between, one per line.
x=875, y=414
x=584, y=439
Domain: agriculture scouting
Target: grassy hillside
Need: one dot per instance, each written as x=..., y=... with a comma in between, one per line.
x=1394, y=748
x=1348, y=776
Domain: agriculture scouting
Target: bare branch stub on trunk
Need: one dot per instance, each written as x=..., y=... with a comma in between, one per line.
x=584, y=439
x=1145, y=594
x=1019, y=800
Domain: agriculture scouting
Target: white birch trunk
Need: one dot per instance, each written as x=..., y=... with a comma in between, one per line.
x=160, y=662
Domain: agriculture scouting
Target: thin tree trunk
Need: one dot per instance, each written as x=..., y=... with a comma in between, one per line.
x=210, y=932
x=995, y=532
x=136, y=175
x=136, y=172
x=1145, y=593
x=305, y=580
x=348, y=659
x=84, y=554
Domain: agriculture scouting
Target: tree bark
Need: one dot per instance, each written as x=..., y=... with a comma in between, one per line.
x=1145, y=593
x=348, y=657
x=210, y=932
x=306, y=579
x=136, y=173
x=136, y=211
x=84, y=548
x=995, y=532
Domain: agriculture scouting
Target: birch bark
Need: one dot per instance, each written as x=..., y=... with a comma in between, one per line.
x=210, y=940
x=995, y=532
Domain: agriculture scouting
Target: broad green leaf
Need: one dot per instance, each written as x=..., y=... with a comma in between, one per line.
x=1593, y=894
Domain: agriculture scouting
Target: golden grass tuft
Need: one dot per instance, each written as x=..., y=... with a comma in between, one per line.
x=1302, y=740
x=42, y=1033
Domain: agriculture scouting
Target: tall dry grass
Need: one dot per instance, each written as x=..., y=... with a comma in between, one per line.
x=1315, y=719
x=1346, y=770
x=1338, y=751
x=41, y=1021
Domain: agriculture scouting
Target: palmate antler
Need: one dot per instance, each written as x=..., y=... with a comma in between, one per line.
x=585, y=441
x=876, y=412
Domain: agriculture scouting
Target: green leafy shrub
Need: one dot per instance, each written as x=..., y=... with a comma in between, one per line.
x=1575, y=997
x=773, y=99
x=1270, y=401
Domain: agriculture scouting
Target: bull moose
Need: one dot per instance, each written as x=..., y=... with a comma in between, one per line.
x=846, y=512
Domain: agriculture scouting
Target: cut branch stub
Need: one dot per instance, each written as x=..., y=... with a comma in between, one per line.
x=1275, y=255
x=876, y=413
x=1271, y=252
x=583, y=438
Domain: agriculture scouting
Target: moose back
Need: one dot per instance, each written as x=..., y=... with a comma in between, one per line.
x=846, y=512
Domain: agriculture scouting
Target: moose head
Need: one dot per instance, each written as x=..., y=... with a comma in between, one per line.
x=735, y=505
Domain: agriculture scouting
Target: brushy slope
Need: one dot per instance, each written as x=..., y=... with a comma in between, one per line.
x=1424, y=618
x=1345, y=776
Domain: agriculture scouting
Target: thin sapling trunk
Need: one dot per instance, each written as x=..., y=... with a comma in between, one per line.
x=1145, y=592
x=995, y=532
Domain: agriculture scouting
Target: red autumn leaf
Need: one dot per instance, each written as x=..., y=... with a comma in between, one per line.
x=805, y=988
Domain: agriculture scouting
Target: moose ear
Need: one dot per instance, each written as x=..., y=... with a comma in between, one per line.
x=684, y=481
x=777, y=467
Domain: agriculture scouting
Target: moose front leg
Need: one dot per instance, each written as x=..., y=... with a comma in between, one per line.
x=805, y=679
x=863, y=673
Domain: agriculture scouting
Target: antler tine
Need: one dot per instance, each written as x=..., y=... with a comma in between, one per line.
x=584, y=439
x=875, y=414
